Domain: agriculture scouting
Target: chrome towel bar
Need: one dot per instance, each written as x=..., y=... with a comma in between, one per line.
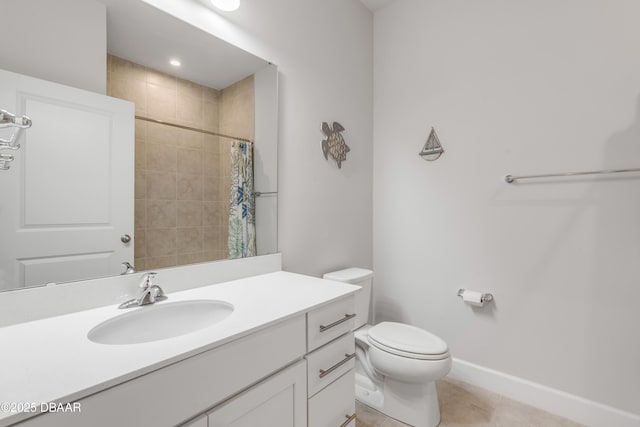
x=511, y=178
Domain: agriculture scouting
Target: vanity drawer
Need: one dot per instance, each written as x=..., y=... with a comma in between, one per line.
x=328, y=363
x=335, y=406
x=330, y=321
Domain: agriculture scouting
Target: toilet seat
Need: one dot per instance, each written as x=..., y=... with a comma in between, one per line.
x=407, y=341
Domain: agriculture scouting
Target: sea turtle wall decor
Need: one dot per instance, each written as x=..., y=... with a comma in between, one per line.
x=334, y=145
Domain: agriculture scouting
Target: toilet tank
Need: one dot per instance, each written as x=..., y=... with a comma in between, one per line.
x=361, y=277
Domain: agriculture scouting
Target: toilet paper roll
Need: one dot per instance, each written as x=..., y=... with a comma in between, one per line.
x=473, y=298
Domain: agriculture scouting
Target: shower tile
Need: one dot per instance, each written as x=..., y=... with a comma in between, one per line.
x=130, y=90
x=140, y=264
x=224, y=188
x=123, y=69
x=190, y=89
x=139, y=245
x=211, y=163
x=161, y=213
x=161, y=262
x=190, y=161
x=162, y=158
x=161, y=102
x=211, y=188
x=212, y=236
x=210, y=95
x=162, y=134
x=190, y=139
x=210, y=116
x=161, y=186
x=184, y=259
x=140, y=186
x=141, y=129
x=140, y=154
x=161, y=241
x=189, y=213
x=212, y=143
x=213, y=256
x=189, y=111
x=140, y=214
x=213, y=212
x=190, y=187
x=162, y=80
x=190, y=240
x=225, y=167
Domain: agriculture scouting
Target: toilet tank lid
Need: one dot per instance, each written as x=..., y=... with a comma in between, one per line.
x=349, y=275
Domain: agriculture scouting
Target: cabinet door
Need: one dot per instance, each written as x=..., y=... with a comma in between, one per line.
x=280, y=400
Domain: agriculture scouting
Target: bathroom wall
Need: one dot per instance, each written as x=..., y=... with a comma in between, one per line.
x=182, y=177
x=513, y=88
x=323, y=51
x=69, y=50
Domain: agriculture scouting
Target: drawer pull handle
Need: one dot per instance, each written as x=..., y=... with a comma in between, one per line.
x=337, y=322
x=349, y=419
x=347, y=357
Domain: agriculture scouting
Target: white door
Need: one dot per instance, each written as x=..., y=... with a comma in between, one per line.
x=68, y=198
x=280, y=400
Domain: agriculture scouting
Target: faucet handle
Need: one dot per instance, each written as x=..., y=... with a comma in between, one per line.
x=146, y=279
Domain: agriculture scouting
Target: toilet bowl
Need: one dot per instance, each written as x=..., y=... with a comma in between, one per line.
x=397, y=364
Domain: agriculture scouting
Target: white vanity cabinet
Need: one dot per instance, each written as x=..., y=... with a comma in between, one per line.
x=280, y=400
x=330, y=365
x=287, y=374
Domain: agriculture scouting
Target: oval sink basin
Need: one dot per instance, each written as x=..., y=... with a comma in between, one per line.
x=160, y=321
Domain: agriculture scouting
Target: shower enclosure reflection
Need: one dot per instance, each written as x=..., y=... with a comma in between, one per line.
x=183, y=172
x=186, y=122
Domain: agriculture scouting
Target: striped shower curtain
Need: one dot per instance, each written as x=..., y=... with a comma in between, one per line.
x=242, y=209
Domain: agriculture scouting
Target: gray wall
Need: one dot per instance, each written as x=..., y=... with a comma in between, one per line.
x=521, y=88
x=70, y=50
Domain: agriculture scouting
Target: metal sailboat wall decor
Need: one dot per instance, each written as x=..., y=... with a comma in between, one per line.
x=432, y=149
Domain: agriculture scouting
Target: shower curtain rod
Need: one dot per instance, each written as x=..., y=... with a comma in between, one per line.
x=208, y=132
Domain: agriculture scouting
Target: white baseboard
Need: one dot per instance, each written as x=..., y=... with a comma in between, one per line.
x=584, y=411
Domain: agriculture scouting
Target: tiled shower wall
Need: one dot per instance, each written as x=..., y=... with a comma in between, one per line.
x=182, y=177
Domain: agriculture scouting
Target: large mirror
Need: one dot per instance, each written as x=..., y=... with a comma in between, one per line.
x=157, y=150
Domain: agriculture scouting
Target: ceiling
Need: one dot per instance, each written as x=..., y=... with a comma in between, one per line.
x=374, y=5
x=143, y=34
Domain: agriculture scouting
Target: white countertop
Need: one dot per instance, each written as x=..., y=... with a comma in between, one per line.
x=52, y=360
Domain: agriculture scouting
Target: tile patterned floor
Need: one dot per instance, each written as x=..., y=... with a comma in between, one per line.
x=464, y=405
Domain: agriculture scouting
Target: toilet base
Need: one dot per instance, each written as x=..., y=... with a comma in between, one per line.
x=413, y=404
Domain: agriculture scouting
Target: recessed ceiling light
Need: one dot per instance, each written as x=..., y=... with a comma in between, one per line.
x=226, y=5
x=175, y=63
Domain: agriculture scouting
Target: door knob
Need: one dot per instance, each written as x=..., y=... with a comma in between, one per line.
x=125, y=238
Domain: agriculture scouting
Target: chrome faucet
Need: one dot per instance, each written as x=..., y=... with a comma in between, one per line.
x=148, y=294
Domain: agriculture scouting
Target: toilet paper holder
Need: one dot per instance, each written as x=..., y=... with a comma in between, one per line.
x=486, y=297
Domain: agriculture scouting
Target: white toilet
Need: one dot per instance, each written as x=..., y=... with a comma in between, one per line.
x=397, y=365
